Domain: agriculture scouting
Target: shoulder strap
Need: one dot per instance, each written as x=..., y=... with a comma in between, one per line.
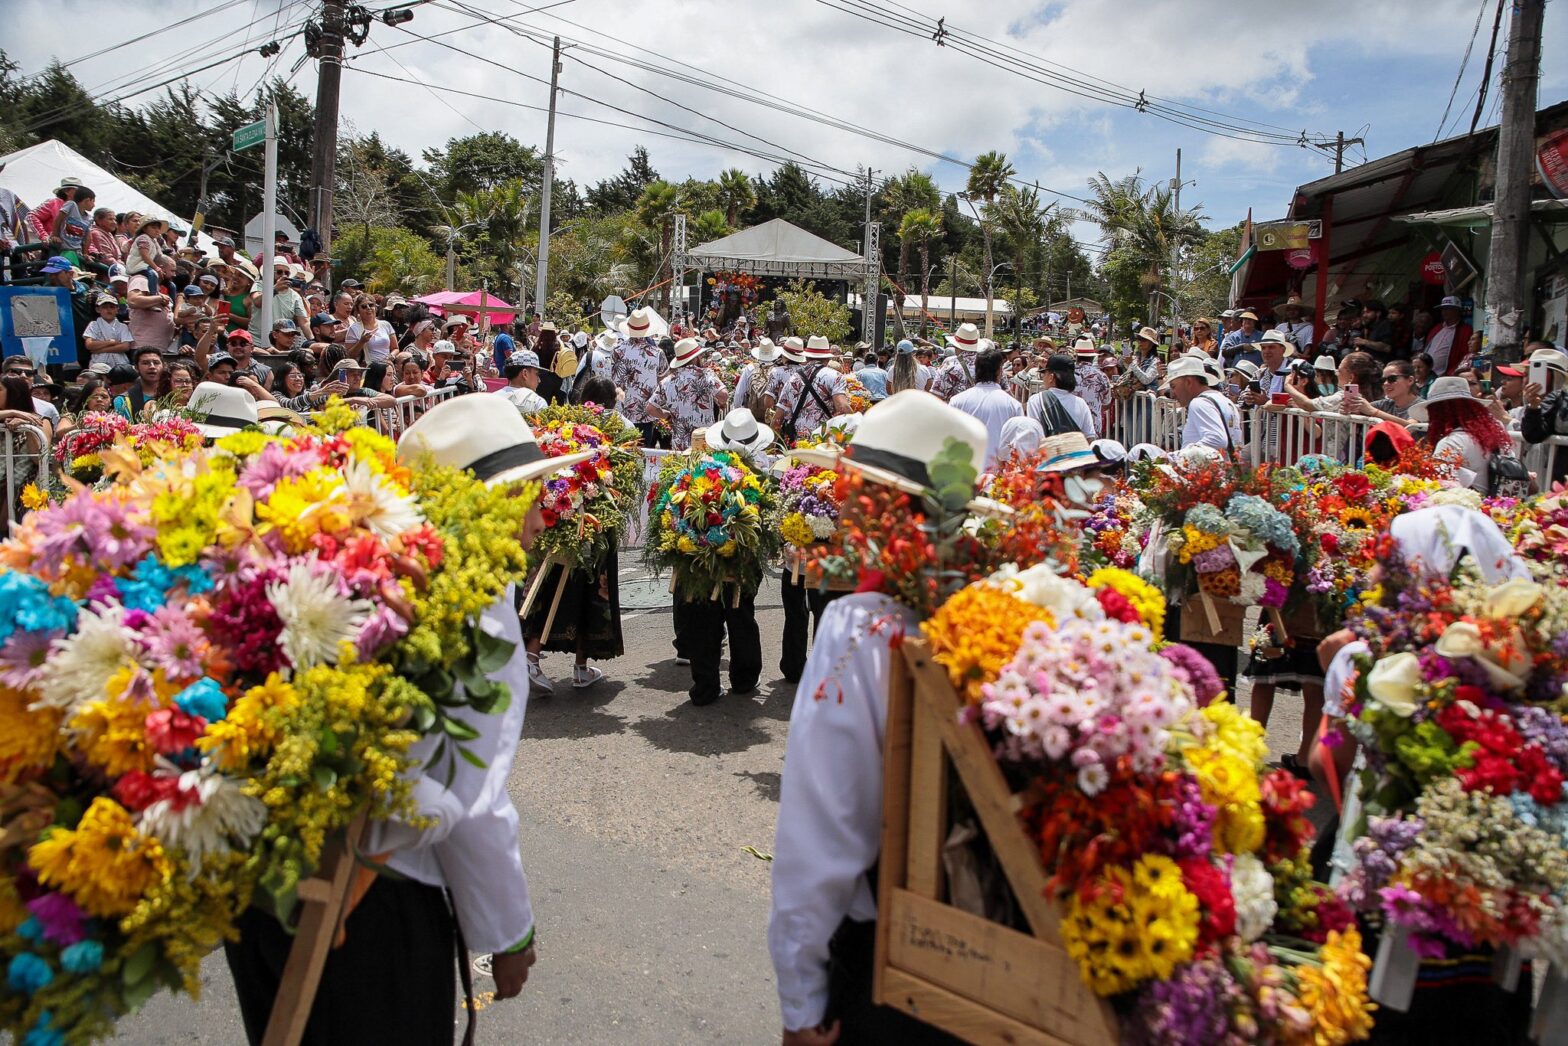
x=800, y=401
x=1056, y=416
x=1230, y=444
x=963, y=365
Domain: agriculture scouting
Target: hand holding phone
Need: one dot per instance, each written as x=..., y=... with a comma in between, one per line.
x=341, y=375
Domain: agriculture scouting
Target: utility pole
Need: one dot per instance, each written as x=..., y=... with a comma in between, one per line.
x=1511, y=201
x=324, y=140
x=269, y=215
x=542, y=277
x=1340, y=141
x=952, y=292
x=1175, y=254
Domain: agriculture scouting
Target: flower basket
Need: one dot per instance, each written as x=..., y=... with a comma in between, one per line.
x=1205, y=619
x=979, y=980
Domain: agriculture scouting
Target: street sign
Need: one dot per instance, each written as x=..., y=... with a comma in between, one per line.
x=1288, y=236
x=252, y=134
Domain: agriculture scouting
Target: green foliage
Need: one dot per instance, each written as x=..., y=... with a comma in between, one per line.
x=394, y=259
x=811, y=312
x=621, y=192
x=485, y=161
x=1207, y=292
x=564, y=310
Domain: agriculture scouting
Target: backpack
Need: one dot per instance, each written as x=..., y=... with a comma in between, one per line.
x=758, y=389
x=1506, y=477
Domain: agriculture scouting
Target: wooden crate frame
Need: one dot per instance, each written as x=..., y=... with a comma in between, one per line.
x=982, y=981
x=1205, y=619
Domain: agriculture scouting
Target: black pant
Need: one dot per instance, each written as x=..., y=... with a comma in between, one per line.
x=852, y=956
x=392, y=981
x=700, y=627
x=800, y=601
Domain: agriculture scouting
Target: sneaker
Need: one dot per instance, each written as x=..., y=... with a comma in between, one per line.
x=585, y=676
x=682, y=660
x=538, y=682
x=742, y=691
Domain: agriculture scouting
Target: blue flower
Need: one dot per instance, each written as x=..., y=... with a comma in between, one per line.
x=41, y=1034
x=31, y=930
x=83, y=957
x=25, y=603
x=204, y=698
x=28, y=973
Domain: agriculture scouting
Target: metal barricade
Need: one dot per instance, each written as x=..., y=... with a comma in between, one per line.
x=1541, y=458
x=1285, y=435
x=22, y=466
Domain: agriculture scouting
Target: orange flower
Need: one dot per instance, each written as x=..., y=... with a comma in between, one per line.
x=976, y=633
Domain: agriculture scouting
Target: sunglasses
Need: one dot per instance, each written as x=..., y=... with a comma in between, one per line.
x=1395, y=377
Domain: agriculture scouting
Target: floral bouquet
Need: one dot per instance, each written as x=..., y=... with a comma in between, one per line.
x=708, y=523
x=208, y=666
x=1538, y=529
x=1113, y=535
x=1459, y=709
x=808, y=511
x=859, y=395
x=78, y=452
x=1178, y=861
x=1245, y=552
x=585, y=505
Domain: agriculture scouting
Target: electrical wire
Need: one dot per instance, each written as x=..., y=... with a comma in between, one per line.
x=1463, y=65
x=151, y=33
x=1486, y=74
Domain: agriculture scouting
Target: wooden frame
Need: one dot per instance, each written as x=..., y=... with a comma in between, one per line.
x=979, y=980
x=1205, y=619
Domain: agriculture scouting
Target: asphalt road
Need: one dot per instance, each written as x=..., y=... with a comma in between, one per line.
x=636, y=810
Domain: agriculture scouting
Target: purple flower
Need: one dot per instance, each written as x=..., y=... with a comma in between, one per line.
x=1195, y=670
x=273, y=465
x=1192, y=826
x=1214, y=560
x=1192, y=1007
x=63, y=922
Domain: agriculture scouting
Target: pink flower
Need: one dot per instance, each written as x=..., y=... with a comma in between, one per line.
x=22, y=658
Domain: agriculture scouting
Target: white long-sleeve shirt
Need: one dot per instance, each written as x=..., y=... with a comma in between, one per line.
x=1076, y=409
x=471, y=848
x=830, y=803
x=1212, y=421
x=988, y=403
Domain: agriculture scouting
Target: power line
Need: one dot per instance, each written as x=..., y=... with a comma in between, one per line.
x=1464, y=63
x=162, y=29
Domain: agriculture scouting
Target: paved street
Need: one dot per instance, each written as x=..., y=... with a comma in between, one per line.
x=636, y=809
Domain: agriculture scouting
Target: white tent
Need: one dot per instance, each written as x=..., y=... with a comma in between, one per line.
x=35, y=172
x=776, y=248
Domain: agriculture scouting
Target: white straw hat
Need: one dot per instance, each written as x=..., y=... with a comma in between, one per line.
x=227, y=409
x=686, y=350
x=639, y=323
x=966, y=337
x=818, y=348
x=740, y=430
x=487, y=436
x=900, y=437
x=794, y=350
x=1443, y=390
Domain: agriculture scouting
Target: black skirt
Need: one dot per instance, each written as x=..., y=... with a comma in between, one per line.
x=585, y=622
x=1298, y=665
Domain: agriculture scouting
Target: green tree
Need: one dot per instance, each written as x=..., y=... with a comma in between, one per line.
x=710, y=225
x=1207, y=289
x=564, y=309
x=922, y=227
x=656, y=208
x=735, y=194
x=1145, y=226
x=987, y=178
x=811, y=312
x=913, y=190
x=1024, y=220
x=485, y=161
x=622, y=192
x=395, y=259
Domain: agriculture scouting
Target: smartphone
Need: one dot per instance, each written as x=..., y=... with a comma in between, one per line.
x=1352, y=389
x=342, y=375
x=1255, y=386
x=1233, y=389
x=1538, y=374
x=1486, y=386
x=224, y=308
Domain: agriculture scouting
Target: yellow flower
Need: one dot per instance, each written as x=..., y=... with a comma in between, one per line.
x=33, y=498
x=111, y=731
x=28, y=739
x=794, y=529
x=104, y=863
x=1151, y=929
x=252, y=726
x=243, y=444
x=303, y=506
x=976, y=633
x=1147, y=600
x=1336, y=993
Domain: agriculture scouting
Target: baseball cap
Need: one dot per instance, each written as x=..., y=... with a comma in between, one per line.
x=217, y=358
x=106, y=299
x=1509, y=372
x=322, y=319
x=194, y=289
x=442, y=347
x=57, y=264
x=349, y=284
x=286, y=326
x=241, y=335
x=523, y=358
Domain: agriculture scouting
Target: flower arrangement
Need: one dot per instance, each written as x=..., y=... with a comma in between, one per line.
x=1176, y=857
x=708, y=523
x=78, y=452
x=859, y=395
x=585, y=505
x=744, y=284
x=1458, y=706
x=207, y=667
x=1113, y=534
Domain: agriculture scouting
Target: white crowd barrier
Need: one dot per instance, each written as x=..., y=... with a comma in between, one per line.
x=391, y=421
x=23, y=466
x=637, y=525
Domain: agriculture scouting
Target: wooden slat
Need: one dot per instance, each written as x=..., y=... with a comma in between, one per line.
x=322, y=913
x=959, y=1016
x=895, y=808
x=984, y=784
x=1025, y=978
x=927, y=806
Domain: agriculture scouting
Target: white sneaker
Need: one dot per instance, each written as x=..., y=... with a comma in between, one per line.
x=683, y=660
x=585, y=676
x=538, y=682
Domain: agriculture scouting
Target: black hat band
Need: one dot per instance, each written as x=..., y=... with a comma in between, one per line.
x=909, y=468
x=497, y=462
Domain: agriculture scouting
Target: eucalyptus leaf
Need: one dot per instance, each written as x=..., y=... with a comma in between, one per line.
x=471, y=759
x=491, y=653
x=459, y=730
x=140, y=965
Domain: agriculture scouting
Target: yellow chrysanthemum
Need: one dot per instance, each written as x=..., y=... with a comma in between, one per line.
x=104, y=863
x=1235, y=733
x=253, y=725
x=34, y=498
x=301, y=507
x=794, y=529
x=243, y=444
x=28, y=739
x=1139, y=924
x=111, y=731
x=977, y=632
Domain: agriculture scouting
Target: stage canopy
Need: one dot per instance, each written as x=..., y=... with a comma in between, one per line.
x=776, y=248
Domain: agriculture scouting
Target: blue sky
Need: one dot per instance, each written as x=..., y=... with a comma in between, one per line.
x=1384, y=71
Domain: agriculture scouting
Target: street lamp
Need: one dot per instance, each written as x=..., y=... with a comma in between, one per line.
x=990, y=293
x=451, y=253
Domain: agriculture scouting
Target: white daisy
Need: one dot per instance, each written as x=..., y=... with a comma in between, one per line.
x=80, y=665
x=376, y=504
x=316, y=616
x=211, y=816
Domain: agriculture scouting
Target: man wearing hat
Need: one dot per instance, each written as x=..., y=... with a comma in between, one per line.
x=1448, y=341
x=752, y=385
x=459, y=883
x=957, y=373
x=1228, y=323
x=1094, y=388
x=1058, y=407
x=1212, y=420
x=823, y=913
x=808, y=394
x=1546, y=402
x=522, y=372
x=1296, y=325
x=689, y=396
x=638, y=368
x=988, y=403
x=1245, y=334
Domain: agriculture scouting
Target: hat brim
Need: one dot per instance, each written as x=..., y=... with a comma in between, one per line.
x=537, y=469
x=763, y=356
x=832, y=458
x=716, y=440
x=678, y=363
x=217, y=430
x=1418, y=411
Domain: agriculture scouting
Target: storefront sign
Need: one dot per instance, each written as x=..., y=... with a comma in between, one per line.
x=1288, y=236
x=1551, y=162
x=1433, y=270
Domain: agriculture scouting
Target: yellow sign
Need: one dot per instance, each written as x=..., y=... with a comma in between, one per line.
x=1287, y=236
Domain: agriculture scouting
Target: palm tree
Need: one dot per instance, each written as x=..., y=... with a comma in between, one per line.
x=1145, y=223
x=920, y=227
x=1025, y=220
x=987, y=178
x=913, y=190
x=710, y=225
x=501, y=213
x=736, y=194
x=656, y=208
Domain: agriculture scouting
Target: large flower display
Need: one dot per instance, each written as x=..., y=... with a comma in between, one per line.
x=585, y=505
x=208, y=666
x=1457, y=706
x=708, y=523
x=1177, y=858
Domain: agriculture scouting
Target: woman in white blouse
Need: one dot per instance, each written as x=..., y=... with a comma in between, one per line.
x=369, y=338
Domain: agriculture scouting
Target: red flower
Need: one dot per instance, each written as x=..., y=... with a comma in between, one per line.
x=138, y=790
x=1116, y=606
x=1329, y=541
x=1212, y=889
x=171, y=731
x=1353, y=486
